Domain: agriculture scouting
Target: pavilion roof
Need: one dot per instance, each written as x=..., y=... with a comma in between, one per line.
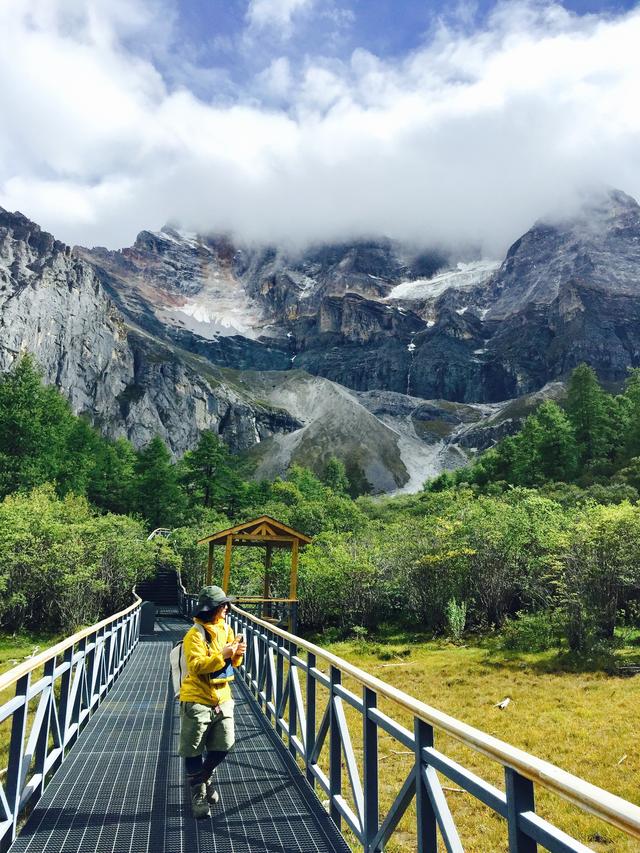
x=263, y=530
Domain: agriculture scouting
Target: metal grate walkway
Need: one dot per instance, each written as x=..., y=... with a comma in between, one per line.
x=122, y=789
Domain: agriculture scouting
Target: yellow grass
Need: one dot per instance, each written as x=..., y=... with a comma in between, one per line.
x=586, y=723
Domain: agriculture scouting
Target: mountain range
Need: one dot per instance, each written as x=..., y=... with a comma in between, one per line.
x=402, y=361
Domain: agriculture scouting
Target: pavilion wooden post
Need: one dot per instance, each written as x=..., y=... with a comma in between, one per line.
x=268, y=533
x=266, y=607
x=293, y=588
x=227, y=564
x=210, y=565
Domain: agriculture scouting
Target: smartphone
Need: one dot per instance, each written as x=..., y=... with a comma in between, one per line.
x=240, y=638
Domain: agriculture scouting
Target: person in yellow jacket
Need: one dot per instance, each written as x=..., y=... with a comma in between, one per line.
x=206, y=705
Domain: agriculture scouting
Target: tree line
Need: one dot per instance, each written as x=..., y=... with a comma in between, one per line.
x=42, y=441
x=539, y=540
x=77, y=508
x=593, y=441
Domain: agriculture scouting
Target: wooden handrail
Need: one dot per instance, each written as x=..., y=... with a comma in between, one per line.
x=12, y=675
x=610, y=808
x=248, y=599
x=259, y=600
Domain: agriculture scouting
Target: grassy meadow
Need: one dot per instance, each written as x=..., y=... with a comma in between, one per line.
x=585, y=722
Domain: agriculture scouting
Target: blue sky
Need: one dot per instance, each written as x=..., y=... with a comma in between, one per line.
x=385, y=27
x=212, y=34
x=296, y=121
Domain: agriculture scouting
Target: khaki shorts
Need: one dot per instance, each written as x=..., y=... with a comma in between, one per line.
x=202, y=730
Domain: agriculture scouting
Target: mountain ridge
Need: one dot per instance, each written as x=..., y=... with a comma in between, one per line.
x=181, y=333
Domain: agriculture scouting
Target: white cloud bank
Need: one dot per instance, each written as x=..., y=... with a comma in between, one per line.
x=471, y=138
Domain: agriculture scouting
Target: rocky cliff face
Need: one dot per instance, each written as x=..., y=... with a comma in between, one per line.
x=174, y=335
x=390, y=442
x=568, y=293
x=378, y=316
x=53, y=304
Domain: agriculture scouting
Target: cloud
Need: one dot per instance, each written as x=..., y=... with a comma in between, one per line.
x=277, y=79
x=471, y=138
x=275, y=13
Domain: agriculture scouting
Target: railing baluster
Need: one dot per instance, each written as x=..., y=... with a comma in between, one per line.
x=256, y=663
x=263, y=675
x=311, y=717
x=293, y=702
x=16, y=751
x=370, y=771
x=45, y=729
x=335, y=756
x=63, y=707
x=426, y=816
x=78, y=689
x=91, y=670
x=279, y=691
x=520, y=798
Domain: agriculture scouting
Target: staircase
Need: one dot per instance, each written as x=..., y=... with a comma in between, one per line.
x=162, y=590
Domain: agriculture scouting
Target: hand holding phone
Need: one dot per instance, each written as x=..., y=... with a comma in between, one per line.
x=241, y=644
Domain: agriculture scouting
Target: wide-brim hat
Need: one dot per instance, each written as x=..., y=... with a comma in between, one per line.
x=210, y=598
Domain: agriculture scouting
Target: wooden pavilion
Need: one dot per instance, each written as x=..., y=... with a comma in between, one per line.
x=267, y=533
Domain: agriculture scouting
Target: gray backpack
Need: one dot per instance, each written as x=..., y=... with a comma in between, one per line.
x=178, y=661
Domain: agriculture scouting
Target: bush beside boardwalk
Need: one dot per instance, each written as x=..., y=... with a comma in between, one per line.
x=65, y=565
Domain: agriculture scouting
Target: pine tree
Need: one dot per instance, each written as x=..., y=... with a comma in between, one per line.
x=556, y=445
x=36, y=424
x=335, y=476
x=77, y=467
x=212, y=476
x=631, y=403
x=586, y=408
x=111, y=483
x=158, y=497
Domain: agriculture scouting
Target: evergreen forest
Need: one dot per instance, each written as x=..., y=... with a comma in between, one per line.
x=537, y=542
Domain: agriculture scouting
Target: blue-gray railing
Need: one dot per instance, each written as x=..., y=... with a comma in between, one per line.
x=272, y=671
x=186, y=600
x=78, y=673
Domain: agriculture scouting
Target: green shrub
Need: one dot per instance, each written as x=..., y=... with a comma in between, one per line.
x=456, y=619
x=532, y=632
x=63, y=565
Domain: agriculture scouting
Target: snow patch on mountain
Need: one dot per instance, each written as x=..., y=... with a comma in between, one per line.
x=463, y=277
x=211, y=319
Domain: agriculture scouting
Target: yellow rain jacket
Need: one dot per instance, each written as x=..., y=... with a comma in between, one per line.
x=208, y=673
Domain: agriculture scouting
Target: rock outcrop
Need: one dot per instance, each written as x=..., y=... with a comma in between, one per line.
x=174, y=334
x=374, y=315
x=53, y=304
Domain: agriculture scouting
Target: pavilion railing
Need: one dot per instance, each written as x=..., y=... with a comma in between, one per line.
x=282, y=610
x=48, y=713
x=186, y=600
x=273, y=670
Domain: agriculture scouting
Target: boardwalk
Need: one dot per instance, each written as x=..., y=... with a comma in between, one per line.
x=122, y=786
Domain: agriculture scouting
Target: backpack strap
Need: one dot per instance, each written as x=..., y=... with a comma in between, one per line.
x=203, y=633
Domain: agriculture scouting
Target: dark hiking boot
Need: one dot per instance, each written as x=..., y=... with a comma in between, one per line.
x=199, y=805
x=212, y=794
